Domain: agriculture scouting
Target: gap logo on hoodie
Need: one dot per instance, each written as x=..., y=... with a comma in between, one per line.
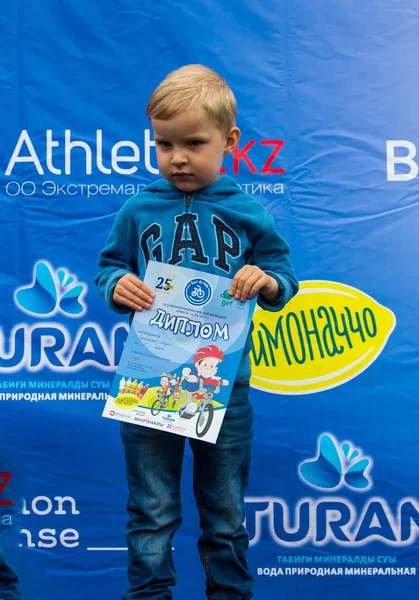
x=187, y=236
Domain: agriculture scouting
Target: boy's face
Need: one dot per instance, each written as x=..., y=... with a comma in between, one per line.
x=190, y=149
x=207, y=367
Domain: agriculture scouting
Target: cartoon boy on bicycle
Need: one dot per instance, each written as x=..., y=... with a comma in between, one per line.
x=202, y=377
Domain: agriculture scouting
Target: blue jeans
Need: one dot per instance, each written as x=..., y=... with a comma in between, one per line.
x=8, y=581
x=221, y=473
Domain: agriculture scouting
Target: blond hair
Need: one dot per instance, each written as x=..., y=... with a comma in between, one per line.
x=194, y=87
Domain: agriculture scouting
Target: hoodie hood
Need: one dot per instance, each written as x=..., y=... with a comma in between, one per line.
x=224, y=186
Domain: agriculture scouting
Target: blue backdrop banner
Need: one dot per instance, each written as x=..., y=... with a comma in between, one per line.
x=327, y=100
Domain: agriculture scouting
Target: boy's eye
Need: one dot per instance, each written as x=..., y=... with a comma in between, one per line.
x=195, y=143
x=163, y=144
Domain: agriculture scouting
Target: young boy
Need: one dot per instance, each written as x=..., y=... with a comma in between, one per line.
x=197, y=219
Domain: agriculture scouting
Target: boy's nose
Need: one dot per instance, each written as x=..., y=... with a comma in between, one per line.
x=178, y=158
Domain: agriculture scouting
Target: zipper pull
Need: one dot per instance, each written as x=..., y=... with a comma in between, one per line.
x=188, y=199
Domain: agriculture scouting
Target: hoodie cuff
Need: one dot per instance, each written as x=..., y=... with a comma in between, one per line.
x=284, y=294
x=109, y=290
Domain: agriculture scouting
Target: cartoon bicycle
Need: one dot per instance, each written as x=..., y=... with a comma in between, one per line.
x=203, y=407
x=198, y=292
x=169, y=383
x=159, y=403
x=201, y=384
x=163, y=395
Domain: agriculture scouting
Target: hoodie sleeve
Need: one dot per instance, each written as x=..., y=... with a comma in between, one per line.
x=270, y=253
x=119, y=257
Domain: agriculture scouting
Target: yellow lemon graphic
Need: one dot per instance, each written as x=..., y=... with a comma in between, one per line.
x=328, y=334
x=126, y=401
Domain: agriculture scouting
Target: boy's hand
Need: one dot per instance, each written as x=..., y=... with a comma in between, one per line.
x=250, y=280
x=132, y=292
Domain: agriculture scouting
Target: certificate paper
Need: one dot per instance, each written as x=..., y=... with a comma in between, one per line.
x=181, y=357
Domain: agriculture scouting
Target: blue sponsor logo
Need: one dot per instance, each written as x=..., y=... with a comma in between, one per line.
x=52, y=292
x=198, y=292
x=336, y=465
x=333, y=518
x=169, y=418
x=52, y=345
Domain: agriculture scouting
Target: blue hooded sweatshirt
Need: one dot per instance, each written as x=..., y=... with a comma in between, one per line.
x=217, y=229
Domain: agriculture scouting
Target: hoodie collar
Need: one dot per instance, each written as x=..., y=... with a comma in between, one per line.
x=224, y=186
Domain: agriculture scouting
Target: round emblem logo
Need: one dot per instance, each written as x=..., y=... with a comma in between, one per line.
x=198, y=292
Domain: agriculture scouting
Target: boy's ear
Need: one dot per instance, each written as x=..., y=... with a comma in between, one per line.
x=232, y=139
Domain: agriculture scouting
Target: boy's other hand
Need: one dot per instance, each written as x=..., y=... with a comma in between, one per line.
x=250, y=280
x=132, y=292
